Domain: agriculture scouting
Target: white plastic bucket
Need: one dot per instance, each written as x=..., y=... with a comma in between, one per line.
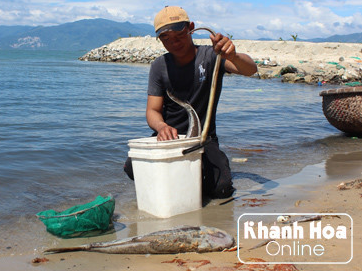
x=167, y=182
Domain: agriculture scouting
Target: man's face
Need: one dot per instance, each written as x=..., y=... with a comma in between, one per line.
x=177, y=42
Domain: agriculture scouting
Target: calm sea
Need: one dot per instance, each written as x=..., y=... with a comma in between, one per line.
x=64, y=127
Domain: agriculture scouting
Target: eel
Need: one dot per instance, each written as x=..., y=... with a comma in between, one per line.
x=194, y=129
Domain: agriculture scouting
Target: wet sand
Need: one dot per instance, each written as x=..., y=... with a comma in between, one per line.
x=312, y=190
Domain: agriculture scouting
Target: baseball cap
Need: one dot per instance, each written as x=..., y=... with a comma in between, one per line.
x=170, y=18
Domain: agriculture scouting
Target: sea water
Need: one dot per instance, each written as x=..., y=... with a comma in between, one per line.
x=65, y=124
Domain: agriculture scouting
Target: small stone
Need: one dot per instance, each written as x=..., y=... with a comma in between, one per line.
x=288, y=69
x=289, y=78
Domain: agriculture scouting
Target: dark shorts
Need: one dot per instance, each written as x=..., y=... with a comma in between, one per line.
x=216, y=174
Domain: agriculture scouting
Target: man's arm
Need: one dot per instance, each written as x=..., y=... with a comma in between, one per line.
x=156, y=121
x=234, y=62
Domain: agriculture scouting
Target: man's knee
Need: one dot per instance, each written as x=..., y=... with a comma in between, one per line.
x=128, y=168
x=223, y=191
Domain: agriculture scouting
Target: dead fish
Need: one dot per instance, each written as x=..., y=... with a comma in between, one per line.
x=177, y=240
x=194, y=129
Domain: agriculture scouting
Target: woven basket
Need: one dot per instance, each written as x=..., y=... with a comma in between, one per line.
x=343, y=109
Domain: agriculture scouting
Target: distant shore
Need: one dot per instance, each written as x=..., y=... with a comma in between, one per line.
x=290, y=61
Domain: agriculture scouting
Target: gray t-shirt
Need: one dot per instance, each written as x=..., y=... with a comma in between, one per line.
x=191, y=83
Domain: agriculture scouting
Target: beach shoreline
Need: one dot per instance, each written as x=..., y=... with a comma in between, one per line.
x=289, y=61
x=322, y=196
x=308, y=183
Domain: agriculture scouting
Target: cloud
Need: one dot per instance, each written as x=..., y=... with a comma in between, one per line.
x=322, y=21
x=242, y=19
x=308, y=19
x=39, y=12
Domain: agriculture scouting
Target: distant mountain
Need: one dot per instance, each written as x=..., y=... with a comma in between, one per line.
x=352, y=38
x=265, y=39
x=79, y=35
x=13, y=30
x=93, y=33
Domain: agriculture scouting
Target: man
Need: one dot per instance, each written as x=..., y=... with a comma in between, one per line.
x=186, y=71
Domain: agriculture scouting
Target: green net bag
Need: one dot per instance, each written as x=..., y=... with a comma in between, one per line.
x=95, y=215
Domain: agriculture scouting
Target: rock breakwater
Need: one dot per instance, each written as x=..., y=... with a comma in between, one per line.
x=127, y=50
x=290, y=61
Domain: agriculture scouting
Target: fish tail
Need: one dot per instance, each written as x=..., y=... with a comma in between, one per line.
x=67, y=249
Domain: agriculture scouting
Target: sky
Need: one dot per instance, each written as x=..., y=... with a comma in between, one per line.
x=250, y=19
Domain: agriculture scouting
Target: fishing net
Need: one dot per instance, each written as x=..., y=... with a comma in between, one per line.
x=95, y=215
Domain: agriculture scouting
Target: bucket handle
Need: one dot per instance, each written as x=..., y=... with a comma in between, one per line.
x=196, y=147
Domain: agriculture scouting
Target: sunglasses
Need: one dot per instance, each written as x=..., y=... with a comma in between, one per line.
x=176, y=32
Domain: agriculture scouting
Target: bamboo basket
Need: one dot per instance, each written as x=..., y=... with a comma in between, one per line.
x=343, y=109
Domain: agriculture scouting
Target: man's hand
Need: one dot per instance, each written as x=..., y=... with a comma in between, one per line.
x=156, y=121
x=238, y=63
x=224, y=46
x=167, y=133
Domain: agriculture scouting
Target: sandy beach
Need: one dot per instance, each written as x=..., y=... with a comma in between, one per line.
x=321, y=194
x=290, y=61
x=314, y=189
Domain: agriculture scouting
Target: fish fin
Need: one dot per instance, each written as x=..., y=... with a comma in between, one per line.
x=66, y=249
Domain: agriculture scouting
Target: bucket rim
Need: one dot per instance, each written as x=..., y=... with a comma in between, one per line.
x=152, y=142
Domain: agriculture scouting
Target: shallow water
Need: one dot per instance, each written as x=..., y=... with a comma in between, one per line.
x=65, y=124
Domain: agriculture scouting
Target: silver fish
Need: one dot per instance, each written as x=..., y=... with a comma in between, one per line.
x=194, y=129
x=177, y=240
